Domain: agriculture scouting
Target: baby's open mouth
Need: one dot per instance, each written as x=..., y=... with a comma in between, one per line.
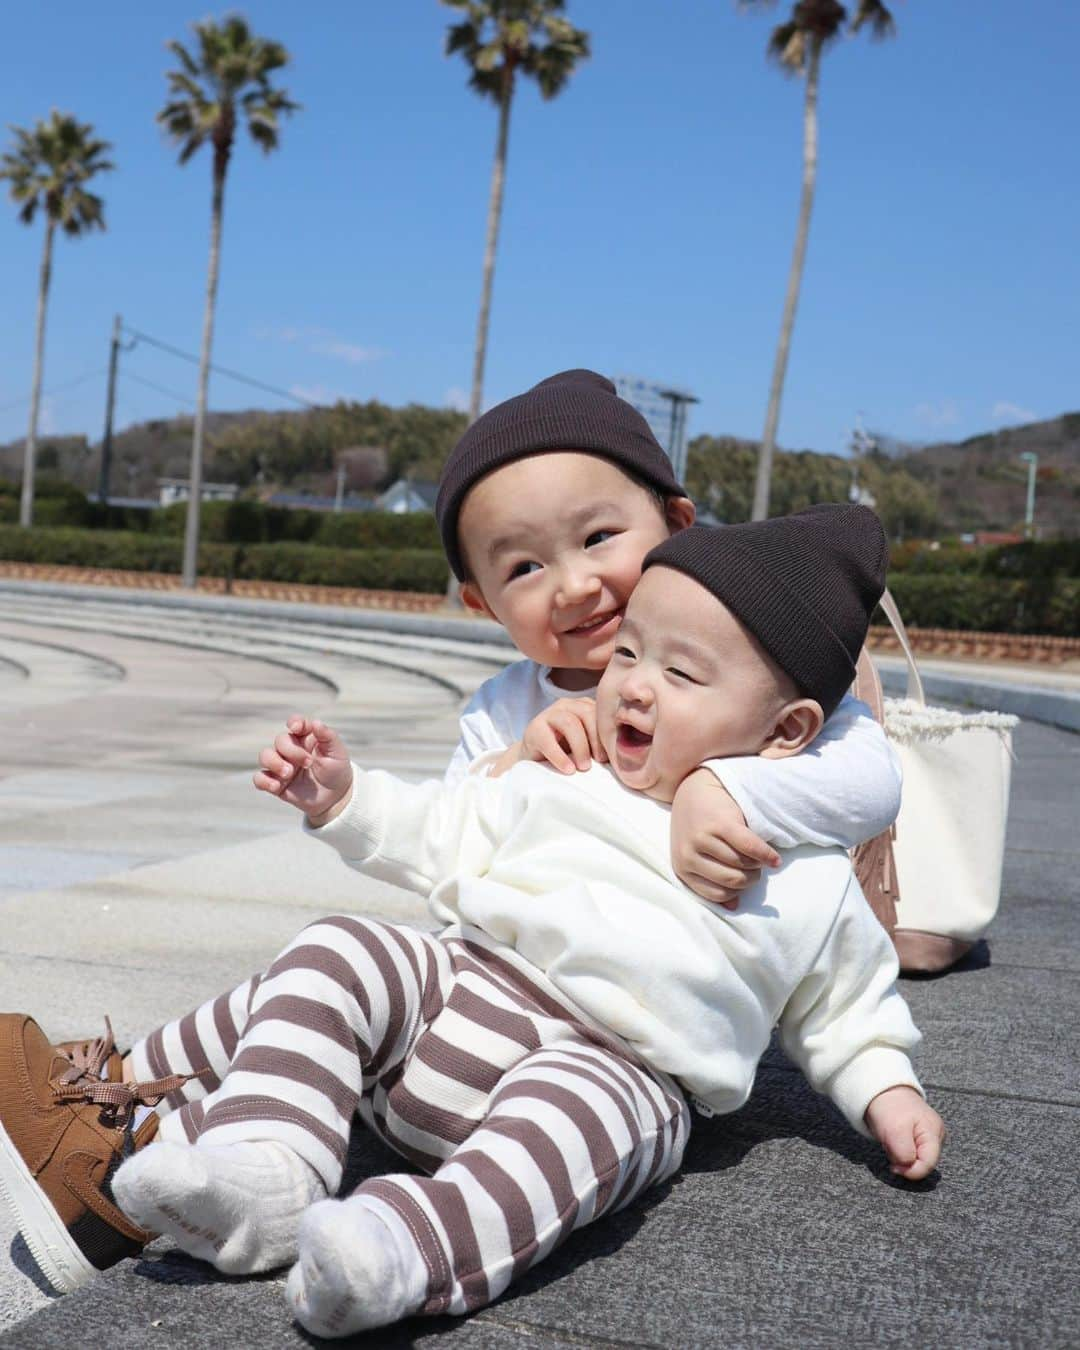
x=629, y=738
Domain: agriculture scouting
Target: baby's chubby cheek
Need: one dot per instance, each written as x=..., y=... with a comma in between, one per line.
x=605, y=723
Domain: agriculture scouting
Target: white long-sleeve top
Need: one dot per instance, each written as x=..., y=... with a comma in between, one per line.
x=573, y=874
x=841, y=790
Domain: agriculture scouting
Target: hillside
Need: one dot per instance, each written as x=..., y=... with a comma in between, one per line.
x=944, y=488
x=981, y=482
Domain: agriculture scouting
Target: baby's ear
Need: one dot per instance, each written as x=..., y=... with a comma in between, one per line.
x=798, y=724
x=679, y=512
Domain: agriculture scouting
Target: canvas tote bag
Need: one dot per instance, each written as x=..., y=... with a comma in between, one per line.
x=934, y=880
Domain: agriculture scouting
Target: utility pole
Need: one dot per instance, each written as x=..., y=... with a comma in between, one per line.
x=339, y=494
x=110, y=403
x=1032, y=460
x=680, y=401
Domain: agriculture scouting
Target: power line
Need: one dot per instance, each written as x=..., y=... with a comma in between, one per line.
x=141, y=379
x=220, y=370
x=56, y=389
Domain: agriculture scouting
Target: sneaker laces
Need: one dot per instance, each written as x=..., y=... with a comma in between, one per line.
x=89, y=1057
x=83, y=1082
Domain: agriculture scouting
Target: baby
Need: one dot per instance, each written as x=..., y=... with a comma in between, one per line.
x=533, y=1058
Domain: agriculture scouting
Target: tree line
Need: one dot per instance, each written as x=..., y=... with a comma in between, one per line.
x=225, y=81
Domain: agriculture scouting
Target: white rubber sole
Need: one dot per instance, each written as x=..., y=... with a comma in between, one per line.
x=51, y=1245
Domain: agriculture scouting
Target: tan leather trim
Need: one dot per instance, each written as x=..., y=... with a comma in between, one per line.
x=867, y=685
x=78, y=1174
x=928, y=953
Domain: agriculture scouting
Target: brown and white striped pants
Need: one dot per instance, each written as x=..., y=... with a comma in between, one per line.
x=529, y=1123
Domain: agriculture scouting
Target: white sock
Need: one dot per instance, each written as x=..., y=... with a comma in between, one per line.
x=356, y=1270
x=237, y=1206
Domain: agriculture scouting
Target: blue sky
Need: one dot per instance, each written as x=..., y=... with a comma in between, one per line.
x=648, y=224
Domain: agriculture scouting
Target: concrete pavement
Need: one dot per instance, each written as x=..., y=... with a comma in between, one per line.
x=139, y=872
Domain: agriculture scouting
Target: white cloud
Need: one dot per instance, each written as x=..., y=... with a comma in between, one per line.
x=321, y=341
x=1003, y=411
x=286, y=334
x=945, y=413
x=348, y=351
x=315, y=393
x=456, y=398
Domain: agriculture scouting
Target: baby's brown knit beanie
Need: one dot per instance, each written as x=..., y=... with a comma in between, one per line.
x=805, y=585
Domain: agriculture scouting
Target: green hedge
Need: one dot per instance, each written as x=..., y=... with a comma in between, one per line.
x=121, y=549
x=61, y=505
x=250, y=522
x=1028, y=560
x=988, y=604
x=381, y=569
x=376, y=569
x=1052, y=558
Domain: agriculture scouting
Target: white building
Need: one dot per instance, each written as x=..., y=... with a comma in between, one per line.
x=406, y=495
x=173, y=490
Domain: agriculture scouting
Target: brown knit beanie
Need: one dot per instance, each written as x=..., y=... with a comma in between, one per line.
x=805, y=585
x=575, y=410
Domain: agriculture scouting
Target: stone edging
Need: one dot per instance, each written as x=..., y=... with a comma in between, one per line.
x=1035, y=647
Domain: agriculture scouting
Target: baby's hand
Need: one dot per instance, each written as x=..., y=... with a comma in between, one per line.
x=909, y=1130
x=308, y=767
x=565, y=735
x=712, y=850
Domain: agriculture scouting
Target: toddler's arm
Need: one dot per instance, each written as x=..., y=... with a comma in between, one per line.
x=492, y=720
x=713, y=851
x=564, y=735
x=842, y=789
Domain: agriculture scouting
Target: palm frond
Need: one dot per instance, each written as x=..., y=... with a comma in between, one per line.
x=500, y=37
x=228, y=67
x=462, y=37
x=787, y=48
x=877, y=16
x=46, y=170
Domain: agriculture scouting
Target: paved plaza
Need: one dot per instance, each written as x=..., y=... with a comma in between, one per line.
x=140, y=872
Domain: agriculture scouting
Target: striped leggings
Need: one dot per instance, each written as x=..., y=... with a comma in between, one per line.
x=527, y=1123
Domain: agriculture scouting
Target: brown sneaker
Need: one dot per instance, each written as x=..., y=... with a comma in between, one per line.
x=64, y=1130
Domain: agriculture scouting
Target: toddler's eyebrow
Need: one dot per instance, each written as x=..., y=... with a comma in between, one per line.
x=508, y=541
x=518, y=534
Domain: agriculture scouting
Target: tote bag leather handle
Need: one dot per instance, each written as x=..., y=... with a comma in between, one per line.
x=914, y=679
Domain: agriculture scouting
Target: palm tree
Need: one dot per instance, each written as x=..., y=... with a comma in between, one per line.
x=226, y=78
x=47, y=169
x=500, y=39
x=797, y=46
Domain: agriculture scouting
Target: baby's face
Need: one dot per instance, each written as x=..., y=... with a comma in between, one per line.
x=554, y=543
x=686, y=683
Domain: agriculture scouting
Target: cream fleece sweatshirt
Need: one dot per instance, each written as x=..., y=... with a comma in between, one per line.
x=573, y=873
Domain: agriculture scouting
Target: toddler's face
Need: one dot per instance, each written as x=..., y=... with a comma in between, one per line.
x=554, y=544
x=686, y=683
